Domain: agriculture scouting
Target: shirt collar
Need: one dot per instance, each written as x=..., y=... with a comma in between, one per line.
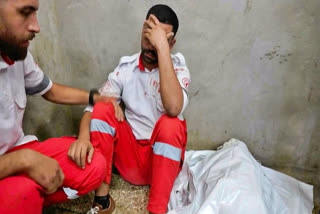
x=139, y=63
x=141, y=66
x=5, y=61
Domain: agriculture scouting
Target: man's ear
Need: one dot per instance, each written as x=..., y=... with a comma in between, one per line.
x=173, y=41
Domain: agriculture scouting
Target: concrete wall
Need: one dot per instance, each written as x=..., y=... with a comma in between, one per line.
x=254, y=67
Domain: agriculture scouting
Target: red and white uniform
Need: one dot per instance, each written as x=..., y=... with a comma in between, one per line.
x=18, y=193
x=17, y=79
x=148, y=148
x=139, y=89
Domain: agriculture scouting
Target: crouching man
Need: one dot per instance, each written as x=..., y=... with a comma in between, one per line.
x=148, y=147
x=34, y=173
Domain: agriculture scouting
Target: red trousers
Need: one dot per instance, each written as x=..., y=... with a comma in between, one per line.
x=154, y=162
x=20, y=194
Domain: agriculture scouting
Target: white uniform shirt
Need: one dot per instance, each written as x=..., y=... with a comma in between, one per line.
x=16, y=81
x=139, y=89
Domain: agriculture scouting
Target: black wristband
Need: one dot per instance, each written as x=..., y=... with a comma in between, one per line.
x=91, y=94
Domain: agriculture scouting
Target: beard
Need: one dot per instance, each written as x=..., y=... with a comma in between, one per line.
x=13, y=51
x=151, y=61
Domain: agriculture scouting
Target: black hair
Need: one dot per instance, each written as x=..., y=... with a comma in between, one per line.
x=165, y=15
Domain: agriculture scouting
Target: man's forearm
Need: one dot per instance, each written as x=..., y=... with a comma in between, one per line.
x=12, y=163
x=170, y=89
x=62, y=94
x=84, y=130
x=38, y=167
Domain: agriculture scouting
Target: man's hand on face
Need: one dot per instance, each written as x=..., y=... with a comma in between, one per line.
x=44, y=170
x=156, y=35
x=80, y=151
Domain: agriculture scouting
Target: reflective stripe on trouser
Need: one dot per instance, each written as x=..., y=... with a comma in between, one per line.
x=103, y=132
x=29, y=197
x=154, y=162
x=169, y=139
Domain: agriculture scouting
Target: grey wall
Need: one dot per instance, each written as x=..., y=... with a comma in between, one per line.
x=254, y=67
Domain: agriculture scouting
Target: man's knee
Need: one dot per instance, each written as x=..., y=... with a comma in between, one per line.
x=103, y=110
x=95, y=174
x=171, y=130
x=170, y=123
x=20, y=194
x=82, y=183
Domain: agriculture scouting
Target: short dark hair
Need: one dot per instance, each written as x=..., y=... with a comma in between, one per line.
x=165, y=15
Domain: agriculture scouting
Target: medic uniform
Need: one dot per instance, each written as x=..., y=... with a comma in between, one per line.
x=148, y=148
x=18, y=193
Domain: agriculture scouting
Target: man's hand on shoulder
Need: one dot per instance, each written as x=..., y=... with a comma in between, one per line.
x=80, y=151
x=101, y=98
x=117, y=110
x=44, y=170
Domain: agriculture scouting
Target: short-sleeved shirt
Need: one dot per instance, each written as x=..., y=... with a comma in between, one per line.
x=18, y=79
x=139, y=89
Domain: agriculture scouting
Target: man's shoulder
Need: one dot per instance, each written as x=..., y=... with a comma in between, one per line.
x=29, y=58
x=24, y=66
x=178, y=59
x=29, y=63
x=125, y=60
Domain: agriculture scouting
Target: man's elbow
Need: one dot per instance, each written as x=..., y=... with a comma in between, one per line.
x=173, y=111
x=49, y=96
x=46, y=96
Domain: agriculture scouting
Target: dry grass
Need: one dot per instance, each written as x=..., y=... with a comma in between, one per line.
x=129, y=199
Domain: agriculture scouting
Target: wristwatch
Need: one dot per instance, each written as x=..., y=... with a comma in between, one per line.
x=91, y=94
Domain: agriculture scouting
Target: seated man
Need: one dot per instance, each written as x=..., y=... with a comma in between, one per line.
x=34, y=173
x=148, y=148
